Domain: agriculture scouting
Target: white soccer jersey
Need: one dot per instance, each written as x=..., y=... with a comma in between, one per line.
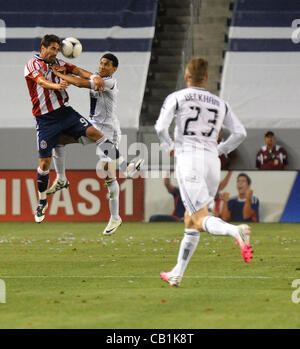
x=199, y=116
x=103, y=107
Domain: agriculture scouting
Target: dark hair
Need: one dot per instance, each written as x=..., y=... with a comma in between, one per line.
x=246, y=176
x=112, y=58
x=48, y=39
x=269, y=134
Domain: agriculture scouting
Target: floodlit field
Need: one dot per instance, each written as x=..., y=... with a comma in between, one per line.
x=66, y=275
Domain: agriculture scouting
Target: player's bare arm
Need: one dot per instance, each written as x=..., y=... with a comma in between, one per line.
x=62, y=85
x=60, y=68
x=71, y=79
x=99, y=83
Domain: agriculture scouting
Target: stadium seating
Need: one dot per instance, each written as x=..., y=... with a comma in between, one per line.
x=261, y=71
x=125, y=27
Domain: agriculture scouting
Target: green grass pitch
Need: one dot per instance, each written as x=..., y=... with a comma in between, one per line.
x=66, y=275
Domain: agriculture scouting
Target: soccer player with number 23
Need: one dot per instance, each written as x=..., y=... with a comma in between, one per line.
x=199, y=116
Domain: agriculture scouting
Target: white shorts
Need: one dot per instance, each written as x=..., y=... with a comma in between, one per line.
x=198, y=174
x=108, y=132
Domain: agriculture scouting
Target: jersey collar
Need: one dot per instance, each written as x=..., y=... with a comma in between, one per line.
x=42, y=59
x=199, y=88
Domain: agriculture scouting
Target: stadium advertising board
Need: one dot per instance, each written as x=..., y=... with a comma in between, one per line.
x=276, y=194
x=85, y=200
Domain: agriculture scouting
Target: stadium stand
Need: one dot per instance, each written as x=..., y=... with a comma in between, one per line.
x=261, y=74
x=124, y=27
x=183, y=29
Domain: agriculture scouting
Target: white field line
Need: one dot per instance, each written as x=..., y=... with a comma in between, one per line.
x=139, y=277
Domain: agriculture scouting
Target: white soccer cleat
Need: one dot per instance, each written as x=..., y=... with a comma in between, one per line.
x=243, y=239
x=133, y=168
x=57, y=185
x=40, y=213
x=172, y=280
x=112, y=226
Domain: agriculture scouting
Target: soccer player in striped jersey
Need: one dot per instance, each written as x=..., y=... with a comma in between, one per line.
x=199, y=116
x=53, y=115
x=103, y=117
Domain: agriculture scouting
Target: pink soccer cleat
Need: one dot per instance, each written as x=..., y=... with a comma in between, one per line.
x=172, y=280
x=243, y=239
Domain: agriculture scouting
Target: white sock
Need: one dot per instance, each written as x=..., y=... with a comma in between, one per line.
x=217, y=226
x=187, y=248
x=59, y=159
x=114, y=190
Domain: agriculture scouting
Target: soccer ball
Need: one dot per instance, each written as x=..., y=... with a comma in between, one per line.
x=71, y=47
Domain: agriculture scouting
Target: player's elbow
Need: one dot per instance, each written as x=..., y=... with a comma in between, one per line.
x=157, y=128
x=241, y=136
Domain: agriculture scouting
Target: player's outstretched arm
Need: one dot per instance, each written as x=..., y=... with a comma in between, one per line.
x=82, y=73
x=99, y=83
x=74, y=80
x=52, y=85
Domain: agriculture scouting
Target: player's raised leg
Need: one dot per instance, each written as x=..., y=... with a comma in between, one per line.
x=201, y=221
x=111, y=151
x=241, y=233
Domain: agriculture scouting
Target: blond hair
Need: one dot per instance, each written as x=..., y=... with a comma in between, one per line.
x=196, y=70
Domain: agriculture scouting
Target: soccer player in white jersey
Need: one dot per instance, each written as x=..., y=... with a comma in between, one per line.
x=53, y=115
x=199, y=116
x=103, y=117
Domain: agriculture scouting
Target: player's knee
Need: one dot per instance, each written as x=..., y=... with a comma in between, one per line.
x=188, y=222
x=93, y=134
x=194, y=223
x=199, y=224
x=45, y=163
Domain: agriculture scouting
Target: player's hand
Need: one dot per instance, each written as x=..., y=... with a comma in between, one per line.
x=59, y=69
x=99, y=84
x=225, y=196
x=58, y=73
x=63, y=85
x=172, y=153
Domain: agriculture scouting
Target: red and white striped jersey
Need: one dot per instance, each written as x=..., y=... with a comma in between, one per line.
x=44, y=100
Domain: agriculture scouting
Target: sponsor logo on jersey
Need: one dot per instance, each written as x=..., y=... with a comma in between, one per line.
x=35, y=73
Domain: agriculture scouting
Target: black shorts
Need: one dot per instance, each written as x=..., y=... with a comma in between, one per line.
x=50, y=125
